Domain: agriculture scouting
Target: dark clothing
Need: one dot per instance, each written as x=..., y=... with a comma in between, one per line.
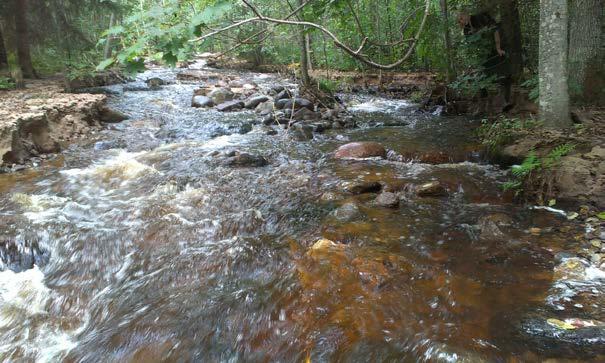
x=480, y=34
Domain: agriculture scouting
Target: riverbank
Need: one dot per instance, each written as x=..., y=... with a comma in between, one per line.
x=42, y=119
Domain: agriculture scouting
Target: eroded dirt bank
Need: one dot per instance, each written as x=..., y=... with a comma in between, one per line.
x=42, y=119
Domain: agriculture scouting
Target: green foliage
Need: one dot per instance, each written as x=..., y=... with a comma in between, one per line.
x=6, y=83
x=494, y=134
x=532, y=164
x=472, y=84
x=328, y=85
x=533, y=85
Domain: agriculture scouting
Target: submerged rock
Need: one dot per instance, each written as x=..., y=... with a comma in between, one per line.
x=347, y=212
x=301, y=132
x=201, y=101
x=245, y=160
x=109, y=115
x=155, y=83
x=386, y=199
x=489, y=226
x=360, y=150
x=432, y=189
x=362, y=187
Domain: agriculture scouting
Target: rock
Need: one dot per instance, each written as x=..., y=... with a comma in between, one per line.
x=245, y=128
x=572, y=337
x=360, y=150
x=301, y=132
x=268, y=120
x=230, y=106
x=280, y=104
x=108, y=115
x=264, y=108
x=432, y=189
x=270, y=131
x=325, y=246
x=220, y=95
x=305, y=114
x=489, y=226
x=388, y=200
x=581, y=178
x=277, y=89
x=299, y=103
x=362, y=187
x=201, y=101
x=155, y=83
x=283, y=94
x=254, y=101
x=571, y=269
x=245, y=160
x=347, y=212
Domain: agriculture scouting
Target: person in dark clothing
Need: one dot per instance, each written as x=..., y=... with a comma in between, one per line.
x=484, y=33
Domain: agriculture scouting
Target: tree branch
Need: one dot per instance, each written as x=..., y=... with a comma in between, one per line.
x=337, y=42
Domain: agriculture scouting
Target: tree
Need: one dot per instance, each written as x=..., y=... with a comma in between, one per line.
x=554, y=95
x=513, y=40
x=448, y=41
x=585, y=27
x=9, y=34
x=23, y=43
x=304, y=53
x=3, y=61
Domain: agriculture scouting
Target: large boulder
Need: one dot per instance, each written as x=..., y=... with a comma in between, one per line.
x=359, y=150
x=254, y=101
x=283, y=94
x=230, y=106
x=201, y=101
x=280, y=104
x=220, y=95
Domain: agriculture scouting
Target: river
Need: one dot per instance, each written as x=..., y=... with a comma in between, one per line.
x=148, y=249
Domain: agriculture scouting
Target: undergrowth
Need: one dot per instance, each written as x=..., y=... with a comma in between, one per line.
x=6, y=83
x=495, y=134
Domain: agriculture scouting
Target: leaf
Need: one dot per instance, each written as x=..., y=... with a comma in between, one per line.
x=211, y=13
x=560, y=324
x=601, y=216
x=572, y=215
x=552, y=202
x=170, y=58
x=105, y=64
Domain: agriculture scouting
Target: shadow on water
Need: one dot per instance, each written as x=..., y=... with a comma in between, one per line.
x=155, y=250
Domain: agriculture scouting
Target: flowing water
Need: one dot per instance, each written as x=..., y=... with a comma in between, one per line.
x=148, y=249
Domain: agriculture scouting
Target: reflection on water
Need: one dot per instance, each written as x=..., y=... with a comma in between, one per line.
x=160, y=252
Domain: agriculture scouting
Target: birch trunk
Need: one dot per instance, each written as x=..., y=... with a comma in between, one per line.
x=554, y=95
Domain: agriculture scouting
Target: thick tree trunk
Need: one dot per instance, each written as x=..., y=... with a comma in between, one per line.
x=304, y=66
x=9, y=34
x=23, y=44
x=513, y=40
x=585, y=27
x=554, y=95
x=451, y=73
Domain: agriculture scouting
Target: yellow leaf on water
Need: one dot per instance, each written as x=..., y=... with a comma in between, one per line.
x=560, y=324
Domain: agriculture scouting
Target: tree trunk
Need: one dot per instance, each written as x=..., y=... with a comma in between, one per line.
x=309, y=52
x=23, y=44
x=304, y=66
x=451, y=73
x=585, y=27
x=9, y=34
x=3, y=61
x=512, y=36
x=107, y=50
x=554, y=95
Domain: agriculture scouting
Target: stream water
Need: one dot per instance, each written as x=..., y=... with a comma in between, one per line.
x=146, y=249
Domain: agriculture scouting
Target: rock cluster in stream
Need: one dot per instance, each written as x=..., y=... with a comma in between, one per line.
x=277, y=106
